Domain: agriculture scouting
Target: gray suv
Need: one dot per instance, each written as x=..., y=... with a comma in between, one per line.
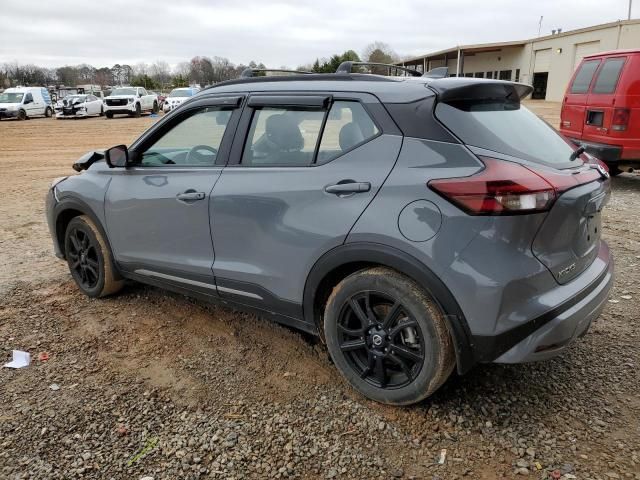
x=416, y=225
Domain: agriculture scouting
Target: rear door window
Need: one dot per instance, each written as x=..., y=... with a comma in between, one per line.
x=584, y=76
x=505, y=127
x=348, y=126
x=608, y=76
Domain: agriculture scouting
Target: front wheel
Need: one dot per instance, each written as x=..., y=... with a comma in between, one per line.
x=138, y=111
x=102, y=111
x=388, y=337
x=155, y=107
x=89, y=258
x=22, y=115
x=109, y=114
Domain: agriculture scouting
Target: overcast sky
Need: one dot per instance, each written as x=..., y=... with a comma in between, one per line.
x=286, y=32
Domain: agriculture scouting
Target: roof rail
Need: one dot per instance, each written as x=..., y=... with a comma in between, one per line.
x=347, y=67
x=251, y=72
x=439, y=72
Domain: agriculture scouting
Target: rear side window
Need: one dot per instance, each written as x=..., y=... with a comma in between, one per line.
x=283, y=136
x=584, y=76
x=348, y=126
x=608, y=76
x=507, y=128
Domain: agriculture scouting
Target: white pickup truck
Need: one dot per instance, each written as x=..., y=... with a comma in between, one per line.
x=131, y=101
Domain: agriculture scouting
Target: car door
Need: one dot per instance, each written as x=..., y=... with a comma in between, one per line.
x=572, y=117
x=157, y=209
x=303, y=169
x=29, y=104
x=601, y=102
x=92, y=105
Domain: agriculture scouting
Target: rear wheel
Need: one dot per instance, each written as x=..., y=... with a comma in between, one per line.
x=48, y=112
x=109, y=114
x=22, y=115
x=387, y=337
x=89, y=258
x=614, y=171
x=155, y=107
x=102, y=111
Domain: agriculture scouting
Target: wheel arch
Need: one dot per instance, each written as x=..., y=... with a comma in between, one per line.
x=65, y=211
x=346, y=259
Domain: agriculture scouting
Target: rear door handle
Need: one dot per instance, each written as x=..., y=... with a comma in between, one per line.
x=348, y=186
x=190, y=196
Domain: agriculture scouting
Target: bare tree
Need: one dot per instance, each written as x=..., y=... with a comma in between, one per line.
x=161, y=73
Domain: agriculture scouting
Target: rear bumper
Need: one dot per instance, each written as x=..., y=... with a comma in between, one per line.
x=611, y=153
x=549, y=334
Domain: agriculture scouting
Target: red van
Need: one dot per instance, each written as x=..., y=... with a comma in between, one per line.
x=601, y=108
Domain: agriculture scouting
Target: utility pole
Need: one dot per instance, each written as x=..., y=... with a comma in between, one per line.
x=629, y=15
x=540, y=22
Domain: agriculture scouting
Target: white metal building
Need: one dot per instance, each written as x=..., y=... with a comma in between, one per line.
x=547, y=63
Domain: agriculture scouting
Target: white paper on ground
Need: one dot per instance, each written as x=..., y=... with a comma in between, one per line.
x=20, y=359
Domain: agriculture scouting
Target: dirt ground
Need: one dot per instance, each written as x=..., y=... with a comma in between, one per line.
x=148, y=383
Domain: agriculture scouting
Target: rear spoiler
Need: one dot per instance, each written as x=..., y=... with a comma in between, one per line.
x=460, y=89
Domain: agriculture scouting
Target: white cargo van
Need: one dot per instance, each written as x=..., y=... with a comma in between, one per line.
x=25, y=102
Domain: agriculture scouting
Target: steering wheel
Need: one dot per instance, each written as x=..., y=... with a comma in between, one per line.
x=194, y=153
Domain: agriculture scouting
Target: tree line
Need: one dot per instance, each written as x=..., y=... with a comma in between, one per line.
x=160, y=75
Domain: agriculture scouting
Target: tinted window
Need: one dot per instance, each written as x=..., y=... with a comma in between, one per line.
x=583, y=77
x=28, y=98
x=608, y=76
x=348, y=125
x=280, y=136
x=194, y=141
x=508, y=128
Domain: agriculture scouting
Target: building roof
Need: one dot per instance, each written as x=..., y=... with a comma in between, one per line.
x=482, y=47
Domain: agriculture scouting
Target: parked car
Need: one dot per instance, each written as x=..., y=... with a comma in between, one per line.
x=414, y=226
x=76, y=106
x=25, y=102
x=600, y=109
x=132, y=101
x=177, y=97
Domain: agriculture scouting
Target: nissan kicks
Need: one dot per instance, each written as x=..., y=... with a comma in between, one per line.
x=416, y=226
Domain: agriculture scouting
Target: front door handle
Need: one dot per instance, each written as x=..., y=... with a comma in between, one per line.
x=346, y=187
x=190, y=196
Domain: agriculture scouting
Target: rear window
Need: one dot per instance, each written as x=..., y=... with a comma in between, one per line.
x=583, y=77
x=609, y=75
x=507, y=128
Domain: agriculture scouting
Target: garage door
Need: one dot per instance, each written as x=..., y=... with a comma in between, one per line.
x=543, y=60
x=584, y=49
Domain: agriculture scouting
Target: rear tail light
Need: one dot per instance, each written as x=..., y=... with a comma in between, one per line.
x=507, y=188
x=502, y=188
x=620, y=119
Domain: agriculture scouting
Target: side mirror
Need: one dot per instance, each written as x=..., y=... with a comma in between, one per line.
x=117, y=156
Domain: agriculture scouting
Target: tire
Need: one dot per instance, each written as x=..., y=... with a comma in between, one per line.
x=109, y=114
x=388, y=363
x=155, y=107
x=138, y=111
x=89, y=259
x=22, y=115
x=102, y=111
x=48, y=112
x=614, y=171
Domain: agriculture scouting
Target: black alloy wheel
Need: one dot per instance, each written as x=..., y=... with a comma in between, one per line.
x=83, y=258
x=380, y=339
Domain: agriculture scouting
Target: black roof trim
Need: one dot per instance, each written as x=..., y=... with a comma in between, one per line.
x=323, y=77
x=347, y=67
x=250, y=72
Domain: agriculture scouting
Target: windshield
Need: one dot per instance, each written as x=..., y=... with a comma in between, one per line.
x=505, y=127
x=7, y=97
x=186, y=92
x=124, y=91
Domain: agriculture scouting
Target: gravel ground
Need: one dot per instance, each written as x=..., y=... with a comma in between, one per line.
x=151, y=384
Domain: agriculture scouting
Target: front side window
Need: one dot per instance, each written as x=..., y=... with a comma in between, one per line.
x=608, y=76
x=282, y=136
x=28, y=98
x=194, y=141
x=348, y=125
x=583, y=77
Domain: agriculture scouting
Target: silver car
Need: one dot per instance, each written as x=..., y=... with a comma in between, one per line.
x=416, y=227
